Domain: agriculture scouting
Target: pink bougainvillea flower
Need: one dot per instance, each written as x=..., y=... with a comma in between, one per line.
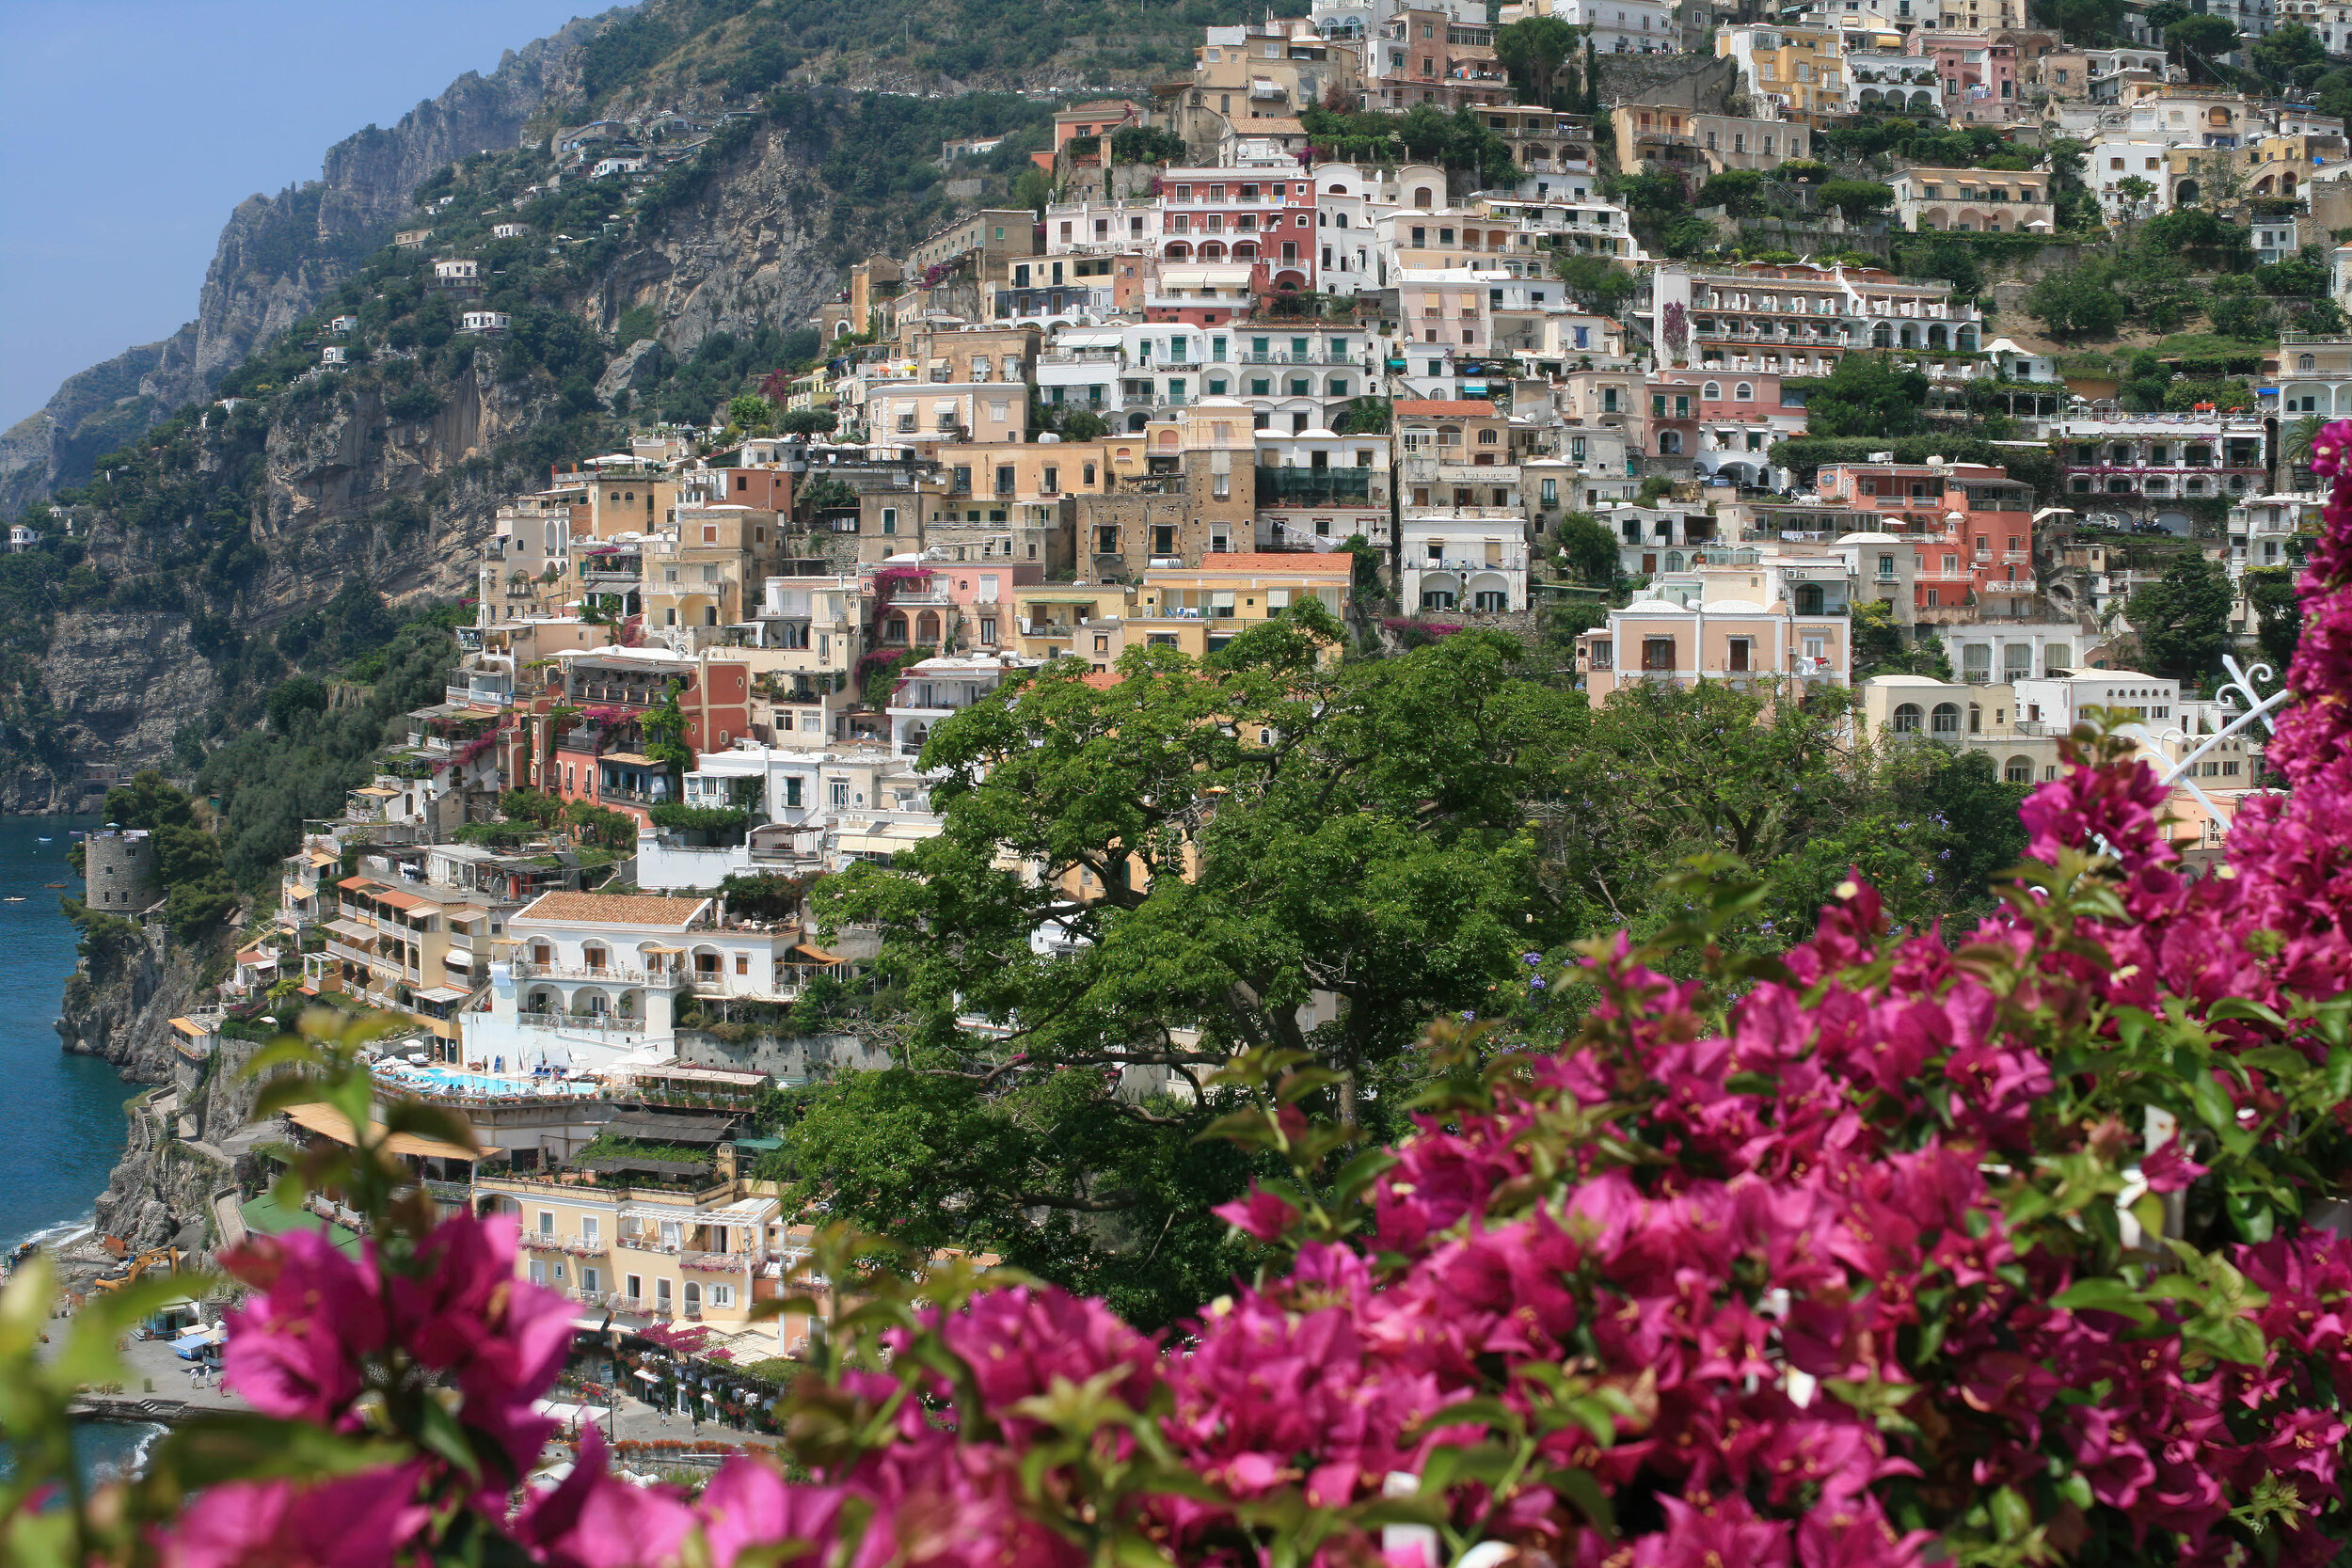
x=594, y=1519
x=362, y=1521
x=296, y=1348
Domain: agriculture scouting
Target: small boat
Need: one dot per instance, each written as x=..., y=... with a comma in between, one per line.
x=13, y=898
x=44, y=841
x=53, y=884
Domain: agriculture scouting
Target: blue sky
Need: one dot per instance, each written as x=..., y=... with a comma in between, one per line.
x=130, y=128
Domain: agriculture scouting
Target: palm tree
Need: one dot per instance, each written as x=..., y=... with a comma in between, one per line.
x=2300, y=437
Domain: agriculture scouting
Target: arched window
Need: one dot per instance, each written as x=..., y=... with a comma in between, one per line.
x=1744, y=392
x=1946, y=719
x=1421, y=196
x=1907, y=718
x=1670, y=443
x=594, y=957
x=2018, y=771
x=1713, y=392
x=2305, y=362
x=1487, y=439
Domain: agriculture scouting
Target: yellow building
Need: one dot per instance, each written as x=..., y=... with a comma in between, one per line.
x=1200, y=608
x=650, y=1246
x=712, y=571
x=1800, y=68
x=391, y=944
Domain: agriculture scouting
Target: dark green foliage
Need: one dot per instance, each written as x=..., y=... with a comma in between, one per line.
x=2270, y=589
x=717, y=824
x=268, y=782
x=1737, y=191
x=807, y=422
x=2182, y=618
x=293, y=700
x=2078, y=303
x=1866, y=394
x=1145, y=144
x=763, y=897
x=1879, y=648
x=198, y=893
x=1591, y=549
x=1855, y=199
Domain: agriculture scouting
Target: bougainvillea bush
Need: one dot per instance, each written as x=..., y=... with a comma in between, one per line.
x=2007, y=1246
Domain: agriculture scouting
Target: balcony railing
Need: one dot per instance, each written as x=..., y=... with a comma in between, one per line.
x=601, y=1024
x=525, y=970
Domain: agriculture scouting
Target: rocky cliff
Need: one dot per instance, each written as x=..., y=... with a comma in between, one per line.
x=277, y=255
x=124, y=1013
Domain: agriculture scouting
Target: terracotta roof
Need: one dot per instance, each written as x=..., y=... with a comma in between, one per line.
x=1271, y=125
x=1101, y=680
x=1445, y=408
x=614, y=908
x=1096, y=109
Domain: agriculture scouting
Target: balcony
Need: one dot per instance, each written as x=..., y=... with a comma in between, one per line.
x=528, y=971
x=1509, y=562
x=600, y=1024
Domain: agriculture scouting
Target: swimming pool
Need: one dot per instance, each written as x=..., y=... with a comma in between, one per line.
x=447, y=1079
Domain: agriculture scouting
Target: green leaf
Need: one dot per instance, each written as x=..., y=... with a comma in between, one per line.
x=439, y=1432
x=2250, y=1212
x=415, y=1117
x=240, y=1445
x=2212, y=1101
x=2339, y=1072
x=2102, y=1293
x=2244, y=1009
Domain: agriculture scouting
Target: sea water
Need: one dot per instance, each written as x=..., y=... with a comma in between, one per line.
x=65, y=1124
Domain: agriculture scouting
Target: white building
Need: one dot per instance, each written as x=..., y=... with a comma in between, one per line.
x=2276, y=238
x=597, y=979
x=931, y=690
x=1617, y=26
x=458, y=269
x=2006, y=652
x=484, y=321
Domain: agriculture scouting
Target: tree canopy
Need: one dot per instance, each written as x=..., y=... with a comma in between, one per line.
x=2182, y=618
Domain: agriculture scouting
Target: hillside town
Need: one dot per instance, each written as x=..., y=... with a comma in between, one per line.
x=1336, y=338
x=1219, y=376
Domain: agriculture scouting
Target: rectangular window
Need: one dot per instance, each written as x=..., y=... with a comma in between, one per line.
x=591, y=1281
x=840, y=793
x=547, y=1222
x=636, y=1290
x=590, y=1227
x=1658, y=654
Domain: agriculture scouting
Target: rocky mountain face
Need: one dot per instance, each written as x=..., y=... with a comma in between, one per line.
x=277, y=254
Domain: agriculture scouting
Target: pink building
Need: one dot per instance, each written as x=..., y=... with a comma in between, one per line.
x=1241, y=214
x=1980, y=75
x=1714, y=638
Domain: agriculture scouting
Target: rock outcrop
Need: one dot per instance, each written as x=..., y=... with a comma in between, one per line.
x=278, y=254
x=124, y=1013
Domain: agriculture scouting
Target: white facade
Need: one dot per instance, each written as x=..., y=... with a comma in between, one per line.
x=2006, y=652
x=1622, y=27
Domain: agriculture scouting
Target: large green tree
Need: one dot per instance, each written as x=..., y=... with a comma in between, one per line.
x=1533, y=51
x=2076, y=302
x=1865, y=394
x=2182, y=618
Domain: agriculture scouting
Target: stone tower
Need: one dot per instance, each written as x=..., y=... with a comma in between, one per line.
x=118, y=871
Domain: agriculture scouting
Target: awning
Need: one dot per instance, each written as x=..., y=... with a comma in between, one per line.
x=189, y=1027
x=444, y=993
x=327, y=1122
x=630, y=759
x=351, y=930
x=816, y=955
x=658, y=947
x=400, y=900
